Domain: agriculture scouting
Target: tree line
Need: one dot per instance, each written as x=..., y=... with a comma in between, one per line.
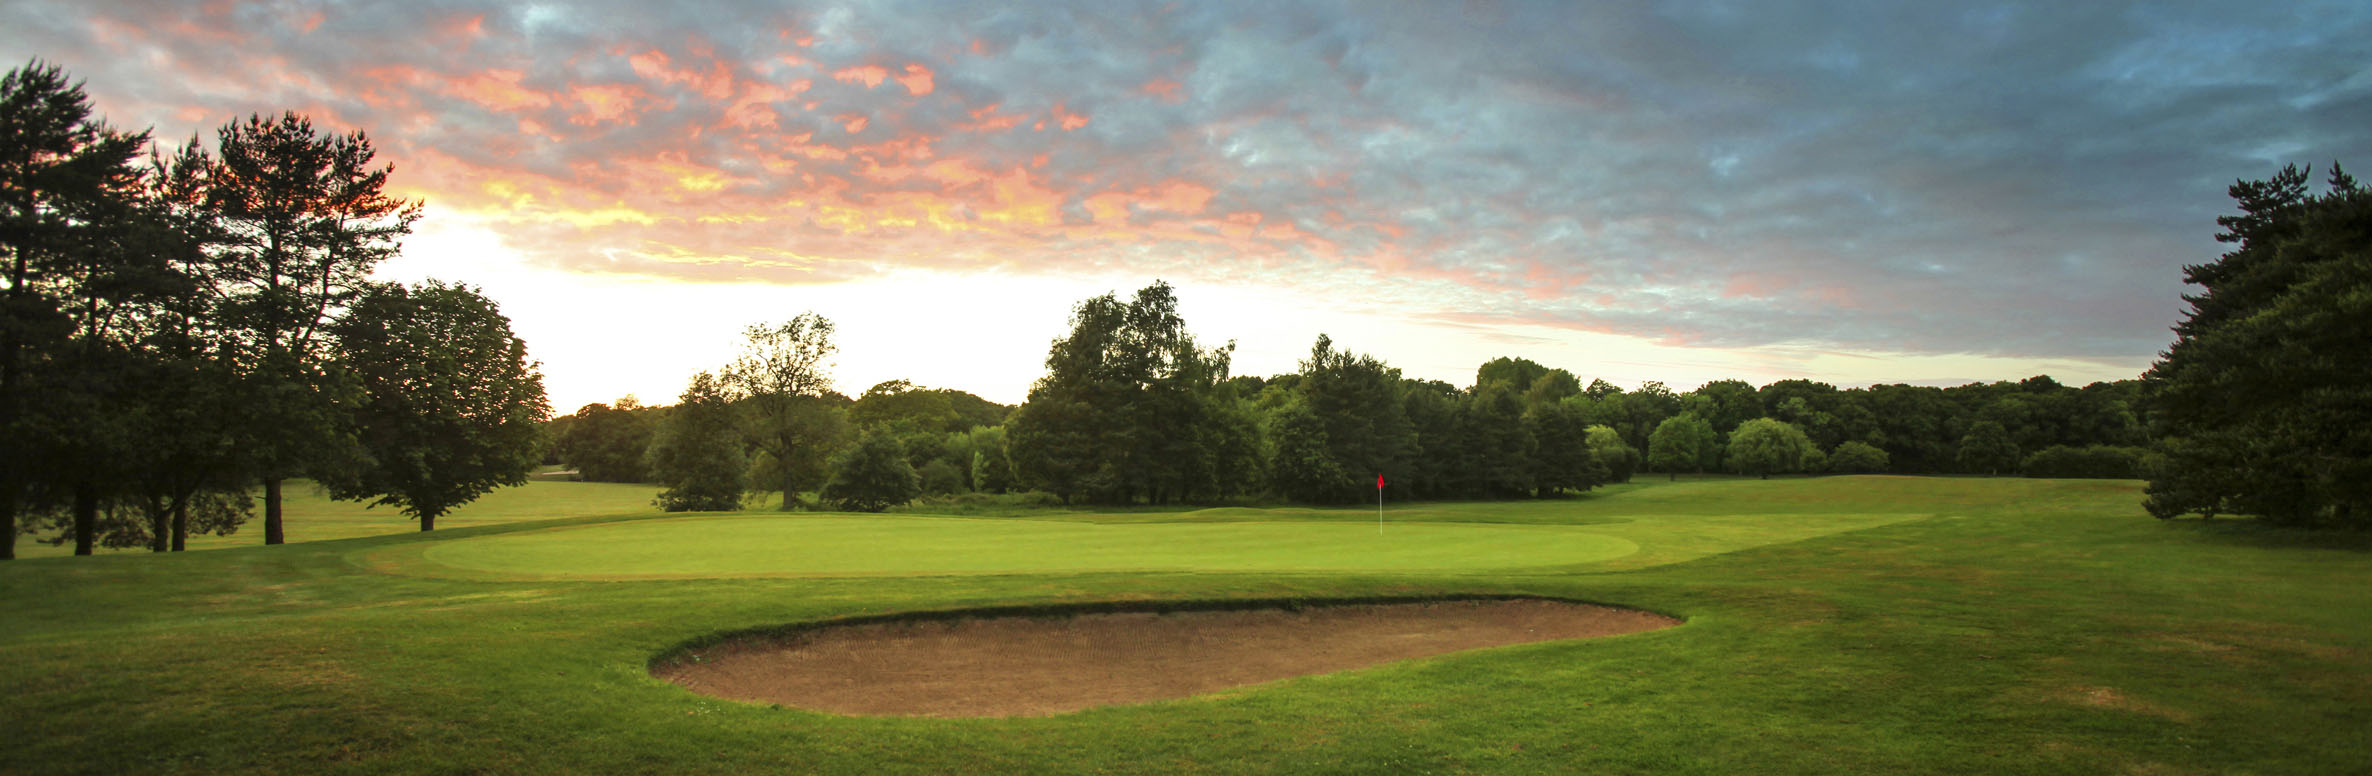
x=181, y=328
x=1133, y=410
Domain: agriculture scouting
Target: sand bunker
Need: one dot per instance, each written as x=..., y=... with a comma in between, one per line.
x=1038, y=665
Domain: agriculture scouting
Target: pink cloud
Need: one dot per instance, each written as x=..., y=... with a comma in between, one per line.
x=869, y=75
x=916, y=79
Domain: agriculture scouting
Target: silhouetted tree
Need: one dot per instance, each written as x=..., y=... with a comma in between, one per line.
x=449, y=405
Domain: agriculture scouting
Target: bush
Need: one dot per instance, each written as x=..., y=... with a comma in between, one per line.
x=871, y=476
x=940, y=477
x=2097, y=462
x=1856, y=458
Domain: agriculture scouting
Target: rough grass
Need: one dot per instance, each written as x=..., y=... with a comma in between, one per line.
x=2020, y=626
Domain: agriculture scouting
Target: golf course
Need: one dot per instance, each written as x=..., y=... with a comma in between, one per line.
x=1870, y=624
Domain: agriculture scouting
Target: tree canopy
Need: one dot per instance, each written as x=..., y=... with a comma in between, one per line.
x=2261, y=402
x=449, y=403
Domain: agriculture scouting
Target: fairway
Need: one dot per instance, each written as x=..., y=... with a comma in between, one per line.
x=1872, y=625
x=895, y=544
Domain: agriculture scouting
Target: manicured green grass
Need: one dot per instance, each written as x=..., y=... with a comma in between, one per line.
x=1835, y=625
x=881, y=544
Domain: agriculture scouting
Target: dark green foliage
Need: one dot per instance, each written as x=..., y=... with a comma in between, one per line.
x=1563, y=455
x=1432, y=408
x=939, y=478
x=1516, y=373
x=1725, y=403
x=1765, y=446
x=780, y=374
x=1357, y=399
x=1495, y=450
x=937, y=409
x=1618, y=458
x=1127, y=407
x=299, y=220
x=2262, y=401
x=87, y=259
x=607, y=443
x=1301, y=463
x=1987, y=448
x=1683, y=442
x=2096, y=461
x=872, y=475
x=991, y=470
x=449, y=405
x=698, y=452
x=1856, y=458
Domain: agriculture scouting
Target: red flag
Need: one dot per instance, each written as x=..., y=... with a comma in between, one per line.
x=1379, y=482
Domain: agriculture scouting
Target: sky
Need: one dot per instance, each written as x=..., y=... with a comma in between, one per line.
x=1858, y=193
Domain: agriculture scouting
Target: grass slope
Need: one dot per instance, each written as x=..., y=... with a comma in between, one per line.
x=2025, y=626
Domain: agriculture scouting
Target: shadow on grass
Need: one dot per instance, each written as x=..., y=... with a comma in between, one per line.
x=2252, y=532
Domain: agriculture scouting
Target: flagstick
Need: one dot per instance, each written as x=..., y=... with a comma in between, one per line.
x=1379, y=505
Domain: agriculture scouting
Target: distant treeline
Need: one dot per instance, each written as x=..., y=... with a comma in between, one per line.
x=1133, y=410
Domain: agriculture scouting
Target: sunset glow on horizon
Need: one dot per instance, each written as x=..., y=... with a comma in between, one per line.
x=1679, y=194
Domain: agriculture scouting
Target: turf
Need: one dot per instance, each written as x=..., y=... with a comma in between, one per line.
x=315, y=517
x=1835, y=625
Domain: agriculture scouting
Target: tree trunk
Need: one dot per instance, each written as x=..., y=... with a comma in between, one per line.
x=159, y=526
x=790, y=486
x=428, y=522
x=180, y=525
x=1675, y=476
x=86, y=517
x=272, y=533
x=1766, y=475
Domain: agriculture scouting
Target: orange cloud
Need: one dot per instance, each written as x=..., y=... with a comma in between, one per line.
x=1070, y=121
x=988, y=120
x=917, y=80
x=852, y=122
x=605, y=103
x=714, y=82
x=1164, y=90
x=499, y=90
x=869, y=75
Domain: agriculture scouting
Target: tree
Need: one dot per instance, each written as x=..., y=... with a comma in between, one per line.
x=301, y=220
x=1495, y=452
x=1357, y=398
x=1725, y=404
x=698, y=451
x=449, y=404
x=781, y=367
x=1680, y=442
x=992, y=471
x=1856, y=458
x=1301, y=463
x=1619, y=458
x=1987, y=448
x=82, y=265
x=606, y=443
x=871, y=476
x=2261, y=403
x=1764, y=446
x=1124, y=407
x=1563, y=455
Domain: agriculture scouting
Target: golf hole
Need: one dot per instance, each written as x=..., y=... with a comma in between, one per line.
x=1011, y=663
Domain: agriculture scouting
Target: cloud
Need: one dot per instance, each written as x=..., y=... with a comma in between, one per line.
x=2011, y=179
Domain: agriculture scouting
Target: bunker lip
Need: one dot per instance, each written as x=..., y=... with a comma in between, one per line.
x=1039, y=661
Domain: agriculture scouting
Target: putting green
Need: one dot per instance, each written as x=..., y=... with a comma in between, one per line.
x=902, y=545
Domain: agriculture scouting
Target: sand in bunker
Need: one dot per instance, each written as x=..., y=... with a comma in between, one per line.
x=1027, y=666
